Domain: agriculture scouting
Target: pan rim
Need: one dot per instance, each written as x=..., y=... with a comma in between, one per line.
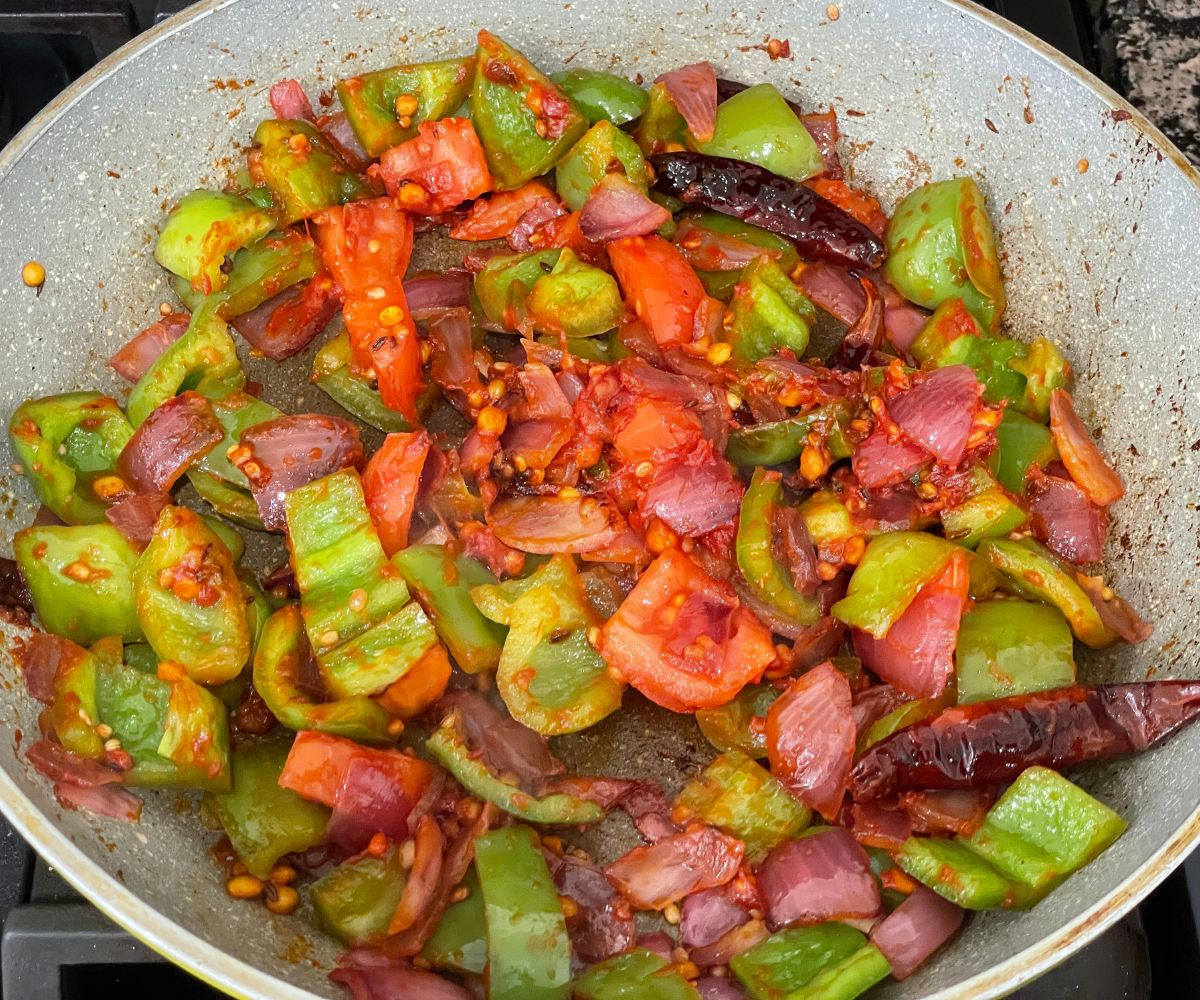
x=241, y=979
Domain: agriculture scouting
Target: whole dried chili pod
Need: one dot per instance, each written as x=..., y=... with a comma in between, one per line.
x=748, y=192
x=992, y=742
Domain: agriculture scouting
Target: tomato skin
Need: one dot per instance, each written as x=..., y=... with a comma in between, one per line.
x=438, y=170
x=317, y=764
x=851, y=200
x=655, y=432
x=647, y=642
x=660, y=285
x=390, y=484
x=420, y=687
x=366, y=246
x=1080, y=454
x=494, y=218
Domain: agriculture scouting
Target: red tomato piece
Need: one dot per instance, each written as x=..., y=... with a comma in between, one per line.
x=683, y=639
x=390, y=483
x=1079, y=452
x=494, y=218
x=438, y=170
x=654, y=432
x=660, y=285
x=853, y=201
x=317, y=765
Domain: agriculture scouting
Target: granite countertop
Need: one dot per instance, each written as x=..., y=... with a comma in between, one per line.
x=1150, y=50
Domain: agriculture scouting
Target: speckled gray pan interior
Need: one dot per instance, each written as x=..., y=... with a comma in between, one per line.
x=1098, y=221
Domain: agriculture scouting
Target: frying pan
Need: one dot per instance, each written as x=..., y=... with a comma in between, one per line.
x=1097, y=217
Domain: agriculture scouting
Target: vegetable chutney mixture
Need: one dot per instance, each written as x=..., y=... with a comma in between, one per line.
x=865, y=576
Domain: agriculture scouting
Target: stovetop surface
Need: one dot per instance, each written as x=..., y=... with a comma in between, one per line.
x=55, y=946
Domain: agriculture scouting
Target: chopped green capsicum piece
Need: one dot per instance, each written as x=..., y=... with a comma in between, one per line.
x=204, y=228
x=236, y=412
x=441, y=582
x=758, y=126
x=662, y=128
x=305, y=173
x=524, y=120
x=81, y=580
x=732, y=726
x=768, y=312
x=1012, y=647
x=529, y=953
x=952, y=336
x=780, y=441
x=1045, y=369
x=73, y=712
x=189, y=598
x=1021, y=444
x=67, y=446
x=601, y=96
x=459, y=943
x=237, y=505
x=504, y=283
x=941, y=246
x=263, y=821
x=847, y=979
x=550, y=676
x=575, y=299
x=986, y=511
x=790, y=959
x=334, y=375
x=633, y=975
x=592, y=158
x=449, y=749
x=385, y=107
x=953, y=870
x=356, y=899
x=903, y=716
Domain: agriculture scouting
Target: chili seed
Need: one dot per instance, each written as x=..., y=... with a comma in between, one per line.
x=285, y=901
x=718, y=354
x=33, y=274
x=406, y=105
x=671, y=914
x=492, y=421
x=244, y=887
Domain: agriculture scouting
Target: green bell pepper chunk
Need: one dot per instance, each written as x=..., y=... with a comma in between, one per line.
x=984, y=578
x=550, y=676
x=756, y=557
x=951, y=869
x=849, y=978
x=230, y=537
x=65, y=445
x=277, y=679
x=305, y=173
x=1022, y=444
x=139, y=655
x=509, y=105
x=448, y=748
x=441, y=583
x=757, y=125
x=783, y=440
x=189, y=599
x=591, y=159
x=459, y=943
x=380, y=656
x=204, y=358
x=715, y=222
x=894, y=567
x=986, y=512
x=952, y=336
x=263, y=821
x=370, y=100
x=1033, y=571
x=662, y=128
x=908, y=714
x=790, y=959
x=204, y=228
x=258, y=606
x=1012, y=647
x=768, y=312
x=507, y=279
x=529, y=953
x=81, y=580
x=1045, y=369
x=737, y=795
x=941, y=246
x=601, y=96
x=259, y=273
x=827, y=519
x=333, y=375
x=731, y=726
x=176, y=731
x=634, y=975
x=73, y=712
x=236, y=412
x=234, y=504
x=587, y=348
x=356, y=899
x=575, y=299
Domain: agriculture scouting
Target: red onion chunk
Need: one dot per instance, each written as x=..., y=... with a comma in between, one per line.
x=531, y=220
x=644, y=802
x=937, y=412
x=1065, y=520
x=693, y=91
x=719, y=988
x=287, y=323
x=616, y=209
x=800, y=555
x=505, y=745
x=133, y=360
x=948, y=810
x=810, y=738
x=369, y=801
x=102, y=800
x=40, y=656
x=58, y=764
x=544, y=525
x=826, y=876
x=878, y=462
x=370, y=975
x=916, y=929
x=1114, y=610
x=865, y=335
x=823, y=127
x=289, y=101
x=708, y=250
x=917, y=653
x=708, y=916
x=135, y=516
x=423, y=877
x=602, y=924
x=650, y=877
x=875, y=825
x=452, y=359
x=736, y=941
x=834, y=290
x=659, y=943
x=292, y=450
x=430, y=293
x=695, y=496
x=341, y=135
x=902, y=320
x=170, y=439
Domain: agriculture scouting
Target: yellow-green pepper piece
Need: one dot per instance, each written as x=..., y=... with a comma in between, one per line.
x=356, y=900
x=81, y=580
x=662, y=128
x=385, y=107
x=189, y=599
x=849, y=978
x=631, y=975
x=1045, y=369
x=720, y=284
x=1021, y=444
x=575, y=299
x=1012, y=647
x=941, y=246
x=66, y=446
x=790, y=959
x=305, y=173
x=234, y=504
x=951, y=869
x=985, y=512
x=236, y=411
x=504, y=283
x=758, y=126
x=903, y=716
x=782, y=441
x=768, y=312
x=524, y=120
x=73, y=712
x=603, y=97
x=358, y=396
x=731, y=726
x=592, y=158
x=202, y=230
x=459, y=943
x=952, y=336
